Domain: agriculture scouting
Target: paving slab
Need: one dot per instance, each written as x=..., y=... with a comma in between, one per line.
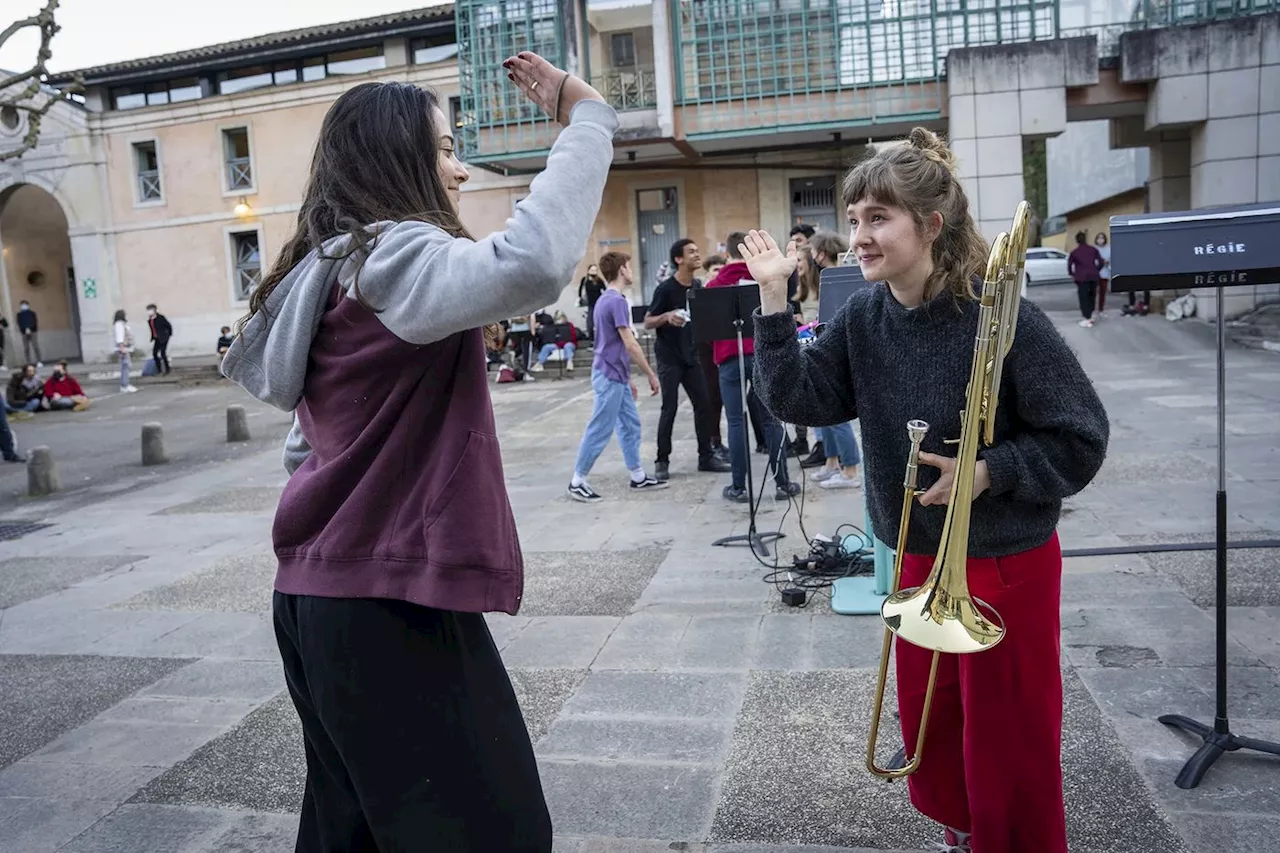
x=235, y=500
x=240, y=584
x=587, y=583
x=27, y=578
x=47, y=696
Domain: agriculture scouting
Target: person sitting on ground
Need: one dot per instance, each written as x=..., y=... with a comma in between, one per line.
x=62, y=391
x=225, y=341
x=25, y=392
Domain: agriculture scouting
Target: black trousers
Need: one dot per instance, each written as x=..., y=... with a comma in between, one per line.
x=413, y=734
x=1087, y=292
x=160, y=353
x=671, y=378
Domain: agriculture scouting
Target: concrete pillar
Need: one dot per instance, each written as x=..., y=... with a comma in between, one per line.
x=42, y=474
x=237, y=424
x=153, y=445
x=1170, y=182
x=997, y=96
x=663, y=69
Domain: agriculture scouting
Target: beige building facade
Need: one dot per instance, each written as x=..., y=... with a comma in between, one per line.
x=180, y=177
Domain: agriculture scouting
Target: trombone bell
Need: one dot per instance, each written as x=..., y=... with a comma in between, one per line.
x=932, y=619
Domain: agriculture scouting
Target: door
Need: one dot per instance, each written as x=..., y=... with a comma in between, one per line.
x=813, y=202
x=658, y=220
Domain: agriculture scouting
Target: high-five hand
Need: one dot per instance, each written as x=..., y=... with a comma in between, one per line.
x=556, y=92
x=770, y=268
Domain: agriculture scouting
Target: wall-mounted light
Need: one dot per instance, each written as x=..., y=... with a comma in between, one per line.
x=242, y=208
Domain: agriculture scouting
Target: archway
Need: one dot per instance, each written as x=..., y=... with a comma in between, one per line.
x=37, y=269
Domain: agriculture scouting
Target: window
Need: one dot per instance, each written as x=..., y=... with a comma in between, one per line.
x=426, y=51
x=157, y=94
x=147, y=166
x=623, y=50
x=239, y=168
x=246, y=260
x=455, y=116
x=357, y=61
x=243, y=79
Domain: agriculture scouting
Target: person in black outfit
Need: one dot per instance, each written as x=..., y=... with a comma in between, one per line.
x=161, y=331
x=678, y=360
x=29, y=327
x=590, y=289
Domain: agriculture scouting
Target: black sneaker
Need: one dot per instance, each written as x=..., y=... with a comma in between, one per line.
x=15, y=458
x=787, y=492
x=713, y=465
x=800, y=447
x=648, y=484
x=737, y=494
x=584, y=493
x=660, y=472
x=816, y=458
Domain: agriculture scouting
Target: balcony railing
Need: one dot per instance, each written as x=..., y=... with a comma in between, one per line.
x=239, y=173
x=1158, y=14
x=632, y=89
x=149, y=185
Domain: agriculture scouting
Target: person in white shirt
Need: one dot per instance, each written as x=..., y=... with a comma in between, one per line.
x=124, y=347
x=1104, y=274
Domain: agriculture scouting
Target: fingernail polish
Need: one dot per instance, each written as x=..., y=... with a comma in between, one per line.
x=511, y=77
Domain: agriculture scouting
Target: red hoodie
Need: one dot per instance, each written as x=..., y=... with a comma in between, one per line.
x=730, y=275
x=65, y=387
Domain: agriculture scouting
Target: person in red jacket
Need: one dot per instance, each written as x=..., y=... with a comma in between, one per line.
x=732, y=368
x=62, y=391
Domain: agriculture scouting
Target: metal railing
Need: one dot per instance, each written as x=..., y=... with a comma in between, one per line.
x=630, y=89
x=239, y=173
x=149, y=185
x=1155, y=15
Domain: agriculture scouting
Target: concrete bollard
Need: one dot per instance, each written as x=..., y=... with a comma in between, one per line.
x=237, y=424
x=153, y=445
x=42, y=474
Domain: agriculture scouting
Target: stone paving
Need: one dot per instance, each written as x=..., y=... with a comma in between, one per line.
x=675, y=703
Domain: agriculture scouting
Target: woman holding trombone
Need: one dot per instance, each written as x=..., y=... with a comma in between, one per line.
x=901, y=350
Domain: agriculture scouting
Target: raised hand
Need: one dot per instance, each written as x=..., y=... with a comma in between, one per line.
x=770, y=268
x=556, y=92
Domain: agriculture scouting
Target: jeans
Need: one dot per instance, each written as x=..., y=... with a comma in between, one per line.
x=8, y=446
x=731, y=393
x=615, y=409
x=126, y=362
x=839, y=441
x=31, y=342
x=548, y=349
x=160, y=354
x=671, y=377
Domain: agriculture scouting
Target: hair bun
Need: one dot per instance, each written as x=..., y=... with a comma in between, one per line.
x=932, y=147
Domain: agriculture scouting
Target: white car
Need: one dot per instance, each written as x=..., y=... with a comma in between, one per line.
x=1045, y=266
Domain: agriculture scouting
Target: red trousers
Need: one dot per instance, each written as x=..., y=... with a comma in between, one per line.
x=992, y=759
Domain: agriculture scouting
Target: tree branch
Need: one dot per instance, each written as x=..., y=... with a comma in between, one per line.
x=25, y=101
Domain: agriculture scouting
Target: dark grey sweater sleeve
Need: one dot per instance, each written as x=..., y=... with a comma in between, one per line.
x=1065, y=429
x=807, y=386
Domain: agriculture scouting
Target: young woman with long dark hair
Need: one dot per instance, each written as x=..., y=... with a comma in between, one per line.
x=900, y=350
x=394, y=533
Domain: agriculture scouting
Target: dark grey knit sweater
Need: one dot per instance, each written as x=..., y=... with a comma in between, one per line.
x=885, y=365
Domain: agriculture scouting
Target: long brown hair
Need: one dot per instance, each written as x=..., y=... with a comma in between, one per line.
x=809, y=279
x=376, y=160
x=921, y=177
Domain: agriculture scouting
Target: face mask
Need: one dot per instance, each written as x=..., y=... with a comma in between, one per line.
x=24, y=306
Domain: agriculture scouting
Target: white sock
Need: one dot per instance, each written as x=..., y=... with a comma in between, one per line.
x=638, y=475
x=577, y=480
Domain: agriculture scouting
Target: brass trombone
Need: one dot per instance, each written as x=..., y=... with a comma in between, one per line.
x=941, y=615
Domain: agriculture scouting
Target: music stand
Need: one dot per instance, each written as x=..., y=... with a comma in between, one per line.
x=1218, y=248
x=722, y=314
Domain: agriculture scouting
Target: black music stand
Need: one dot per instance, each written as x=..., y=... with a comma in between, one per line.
x=722, y=314
x=835, y=286
x=1218, y=248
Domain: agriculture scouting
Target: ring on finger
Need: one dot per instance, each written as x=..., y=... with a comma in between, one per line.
x=534, y=87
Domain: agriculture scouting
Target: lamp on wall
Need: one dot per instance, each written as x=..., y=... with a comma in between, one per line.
x=242, y=208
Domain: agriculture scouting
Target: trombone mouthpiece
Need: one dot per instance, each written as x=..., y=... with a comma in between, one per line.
x=917, y=430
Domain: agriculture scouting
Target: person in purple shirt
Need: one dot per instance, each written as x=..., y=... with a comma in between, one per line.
x=615, y=405
x=394, y=534
x=1085, y=265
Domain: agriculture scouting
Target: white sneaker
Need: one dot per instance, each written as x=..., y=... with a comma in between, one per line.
x=129, y=389
x=823, y=474
x=1087, y=324
x=840, y=481
x=536, y=368
x=568, y=365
